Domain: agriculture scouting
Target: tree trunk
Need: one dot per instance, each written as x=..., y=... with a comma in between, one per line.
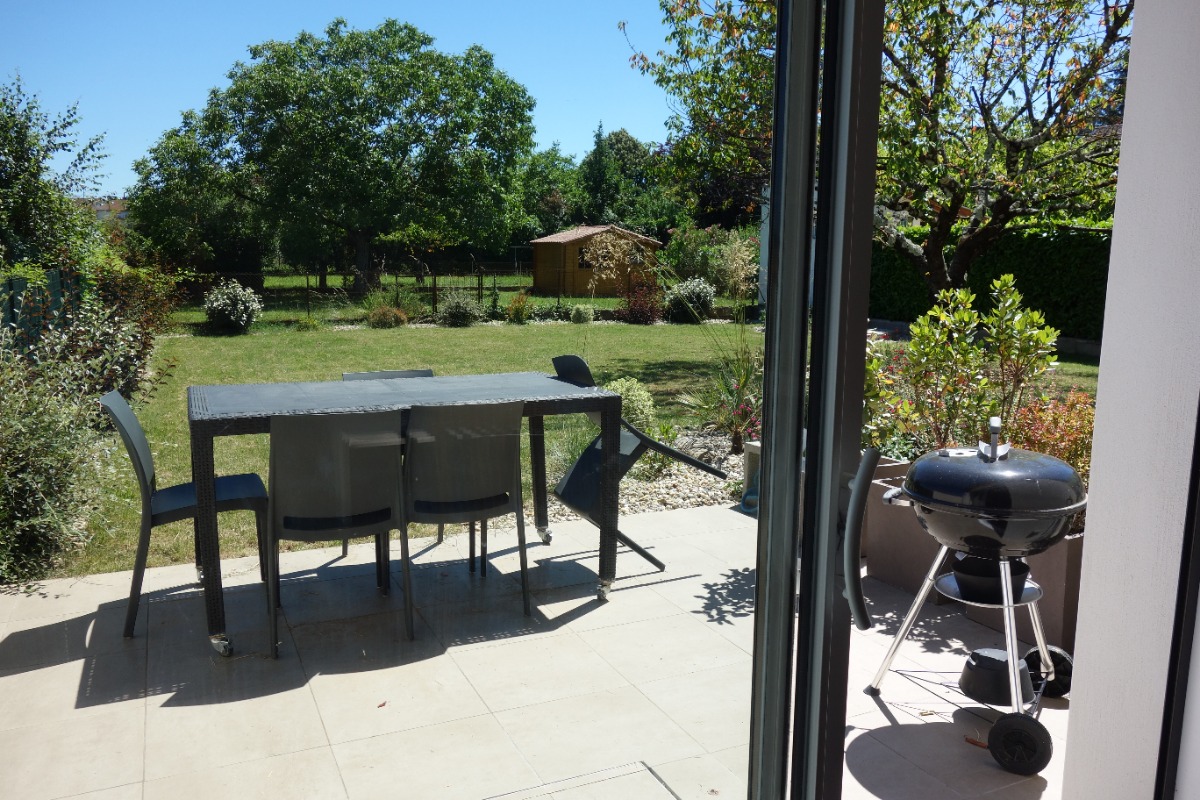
x=366, y=276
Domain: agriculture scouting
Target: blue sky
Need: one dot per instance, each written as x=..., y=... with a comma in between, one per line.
x=133, y=67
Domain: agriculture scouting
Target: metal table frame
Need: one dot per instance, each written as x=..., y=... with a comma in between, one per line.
x=233, y=410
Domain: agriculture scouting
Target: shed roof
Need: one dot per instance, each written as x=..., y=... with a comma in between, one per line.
x=584, y=231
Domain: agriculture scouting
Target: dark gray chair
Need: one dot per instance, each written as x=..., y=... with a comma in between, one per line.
x=579, y=489
x=386, y=374
x=335, y=476
x=389, y=374
x=174, y=503
x=463, y=464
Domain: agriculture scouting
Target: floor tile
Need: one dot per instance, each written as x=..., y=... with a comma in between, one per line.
x=712, y=705
x=700, y=778
x=74, y=689
x=54, y=640
x=312, y=774
x=73, y=756
x=595, y=731
x=662, y=648
x=527, y=671
x=468, y=759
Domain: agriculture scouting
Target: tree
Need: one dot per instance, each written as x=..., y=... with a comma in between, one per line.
x=187, y=203
x=988, y=116
x=720, y=77
x=988, y=122
x=549, y=185
x=373, y=133
x=621, y=183
x=40, y=227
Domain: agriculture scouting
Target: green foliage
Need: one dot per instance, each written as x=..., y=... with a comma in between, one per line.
x=95, y=350
x=732, y=402
x=690, y=300
x=550, y=194
x=1062, y=272
x=46, y=462
x=959, y=369
x=386, y=317
x=727, y=259
x=550, y=312
x=229, y=306
x=308, y=325
x=374, y=132
x=398, y=297
x=458, y=310
x=519, y=309
x=41, y=227
x=720, y=72
x=637, y=404
x=582, y=314
x=992, y=115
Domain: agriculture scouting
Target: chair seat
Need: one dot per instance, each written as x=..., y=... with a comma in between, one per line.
x=244, y=492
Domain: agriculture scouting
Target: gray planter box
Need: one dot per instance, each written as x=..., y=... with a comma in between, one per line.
x=898, y=550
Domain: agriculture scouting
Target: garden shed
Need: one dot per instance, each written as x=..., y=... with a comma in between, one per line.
x=559, y=266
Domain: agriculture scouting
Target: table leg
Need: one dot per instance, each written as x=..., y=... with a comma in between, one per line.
x=610, y=432
x=537, y=464
x=207, y=545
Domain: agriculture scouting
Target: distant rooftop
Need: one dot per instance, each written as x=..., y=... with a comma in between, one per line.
x=584, y=231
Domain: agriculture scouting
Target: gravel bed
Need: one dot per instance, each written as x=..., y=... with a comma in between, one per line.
x=680, y=486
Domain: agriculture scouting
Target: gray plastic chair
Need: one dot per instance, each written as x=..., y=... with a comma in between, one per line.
x=463, y=464
x=389, y=374
x=174, y=503
x=579, y=489
x=335, y=476
x=386, y=374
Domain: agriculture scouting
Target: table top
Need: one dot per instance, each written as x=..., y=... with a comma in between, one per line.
x=259, y=400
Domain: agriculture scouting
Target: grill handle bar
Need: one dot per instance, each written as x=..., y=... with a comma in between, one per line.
x=852, y=543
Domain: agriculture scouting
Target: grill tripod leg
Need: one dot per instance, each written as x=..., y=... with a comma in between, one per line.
x=910, y=619
x=1010, y=636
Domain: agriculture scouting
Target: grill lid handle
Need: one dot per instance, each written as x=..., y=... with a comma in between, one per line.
x=995, y=451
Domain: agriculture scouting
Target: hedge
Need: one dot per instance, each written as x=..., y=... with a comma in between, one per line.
x=1063, y=273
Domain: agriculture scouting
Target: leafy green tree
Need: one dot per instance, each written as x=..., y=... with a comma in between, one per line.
x=621, y=181
x=720, y=76
x=550, y=194
x=987, y=122
x=372, y=133
x=989, y=116
x=189, y=205
x=40, y=227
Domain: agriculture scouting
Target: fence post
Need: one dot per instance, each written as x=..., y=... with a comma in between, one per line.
x=433, y=281
x=479, y=288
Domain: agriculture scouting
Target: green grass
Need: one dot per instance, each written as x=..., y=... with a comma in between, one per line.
x=670, y=359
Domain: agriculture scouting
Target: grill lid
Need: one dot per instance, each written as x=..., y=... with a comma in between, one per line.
x=1017, y=483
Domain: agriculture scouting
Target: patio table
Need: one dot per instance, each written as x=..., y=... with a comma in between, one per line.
x=235, y=409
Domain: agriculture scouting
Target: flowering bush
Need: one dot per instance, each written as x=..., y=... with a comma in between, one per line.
x=732, y=403
x=690, y=301
x=519, y=309
x=231, y=306
x=1060, y=428
x=637, y=406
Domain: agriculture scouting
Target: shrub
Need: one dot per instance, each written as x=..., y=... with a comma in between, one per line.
x=46, y=455
x=400, y=297
x=690, y=301
x=458, y=310
x=386, y=317
x=518, y=309
x=1060, y=428
x=229, y=306
x=550, y=313
x=307, y=324
x=637, y=404
x=582, y=314
x=494, y=312
x=641, y=303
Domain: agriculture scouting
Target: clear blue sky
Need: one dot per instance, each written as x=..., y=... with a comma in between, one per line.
x=133, y=67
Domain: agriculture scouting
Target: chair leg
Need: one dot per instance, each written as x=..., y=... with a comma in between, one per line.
x=273, y=597
x=345, y=547
x=483, y=547
x=471, y=556
x=524, y=562
x=404, y=566
x=260, y=529
x=441, y=532
x=139, y=570
x=383, y=571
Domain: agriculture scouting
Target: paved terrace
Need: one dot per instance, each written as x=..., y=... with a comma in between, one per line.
x=646, y=696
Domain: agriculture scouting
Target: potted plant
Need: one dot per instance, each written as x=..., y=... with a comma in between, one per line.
x=960, y=368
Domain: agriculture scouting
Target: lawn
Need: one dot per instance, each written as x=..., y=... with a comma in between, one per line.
x=670, y=359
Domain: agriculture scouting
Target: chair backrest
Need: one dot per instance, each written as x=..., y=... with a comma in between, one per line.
x=335, y=474
x=134, y=438
x=573, y=369
x=385, y=374
x=462, y=460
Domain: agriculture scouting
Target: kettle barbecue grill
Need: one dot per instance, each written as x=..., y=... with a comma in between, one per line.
x=993, y=505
